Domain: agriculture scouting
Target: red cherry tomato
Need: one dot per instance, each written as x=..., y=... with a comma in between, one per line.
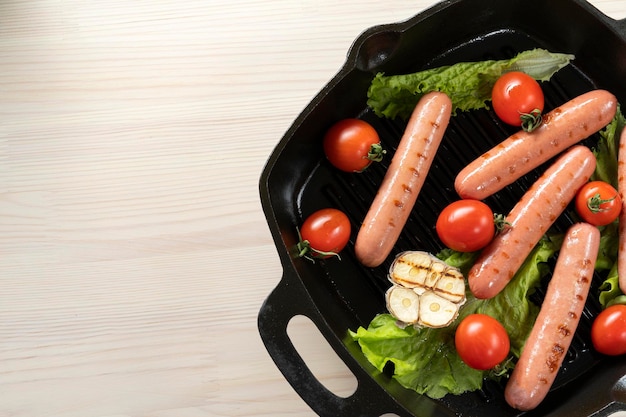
x=608, y=331
x=466, y=225
x=598, y=203
x=352, y=145
x=324, y=233
x=481, y=341
x=515, y=97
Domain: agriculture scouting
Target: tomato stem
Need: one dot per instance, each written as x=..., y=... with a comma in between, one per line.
x=305, y=250
x=376, y=152
x=594, y=203
x=502, y=368
x=499, y=220
x=532, y=120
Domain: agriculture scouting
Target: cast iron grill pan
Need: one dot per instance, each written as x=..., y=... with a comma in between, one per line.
x=338, y=295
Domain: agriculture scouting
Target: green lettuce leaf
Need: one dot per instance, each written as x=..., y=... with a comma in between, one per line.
x=609, y=290
x=468, y=84
x=606, y=151
x=609, y=244
x=512, y=306
x=425, y=360
x=607, y=148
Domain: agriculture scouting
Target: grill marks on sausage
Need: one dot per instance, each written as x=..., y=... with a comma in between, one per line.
x=561, y=128
x=621, y=188
x=403, y=180
x=564, y=330
x=531, y=217
x=554, y=358
x=556, y=324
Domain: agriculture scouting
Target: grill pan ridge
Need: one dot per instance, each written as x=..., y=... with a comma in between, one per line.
x=338, y=295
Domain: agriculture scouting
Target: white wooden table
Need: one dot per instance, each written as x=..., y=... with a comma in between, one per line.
x=134, y=255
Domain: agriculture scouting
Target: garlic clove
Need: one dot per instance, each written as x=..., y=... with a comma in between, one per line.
x=436, y=311
x=451, y=286
x=410, y=269
x=403, y=304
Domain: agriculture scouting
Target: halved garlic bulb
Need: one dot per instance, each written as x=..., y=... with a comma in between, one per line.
x=423, y=271
x=426, y=291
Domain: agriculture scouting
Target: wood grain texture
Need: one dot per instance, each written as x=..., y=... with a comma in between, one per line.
x=134, y=255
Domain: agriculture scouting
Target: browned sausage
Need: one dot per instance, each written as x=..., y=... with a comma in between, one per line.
x=404, y=179
x=529, y=220
x=552, y=333
x=522, y=152
x=621, y=188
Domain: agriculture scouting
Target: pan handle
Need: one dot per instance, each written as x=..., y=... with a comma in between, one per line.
x=287, y=300
x=617, y=402
x=611, y=411
x=613, y=380
x=602, y=395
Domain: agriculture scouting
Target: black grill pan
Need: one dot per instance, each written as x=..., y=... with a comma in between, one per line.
x=338, y=295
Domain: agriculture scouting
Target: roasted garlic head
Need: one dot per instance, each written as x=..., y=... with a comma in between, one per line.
x=426, y=291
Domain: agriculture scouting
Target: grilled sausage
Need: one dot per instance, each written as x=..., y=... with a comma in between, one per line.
x=552, y=333
x=404, y=179
x=529, y=220
x=621, y=188
x=522, y=152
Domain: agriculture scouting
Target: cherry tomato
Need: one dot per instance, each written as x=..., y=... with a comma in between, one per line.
x=518, y=100
x=598, y=203
x=324, y=233
x=481, y=341
x=352, y=145
x=466, y=225
x=608, y=331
